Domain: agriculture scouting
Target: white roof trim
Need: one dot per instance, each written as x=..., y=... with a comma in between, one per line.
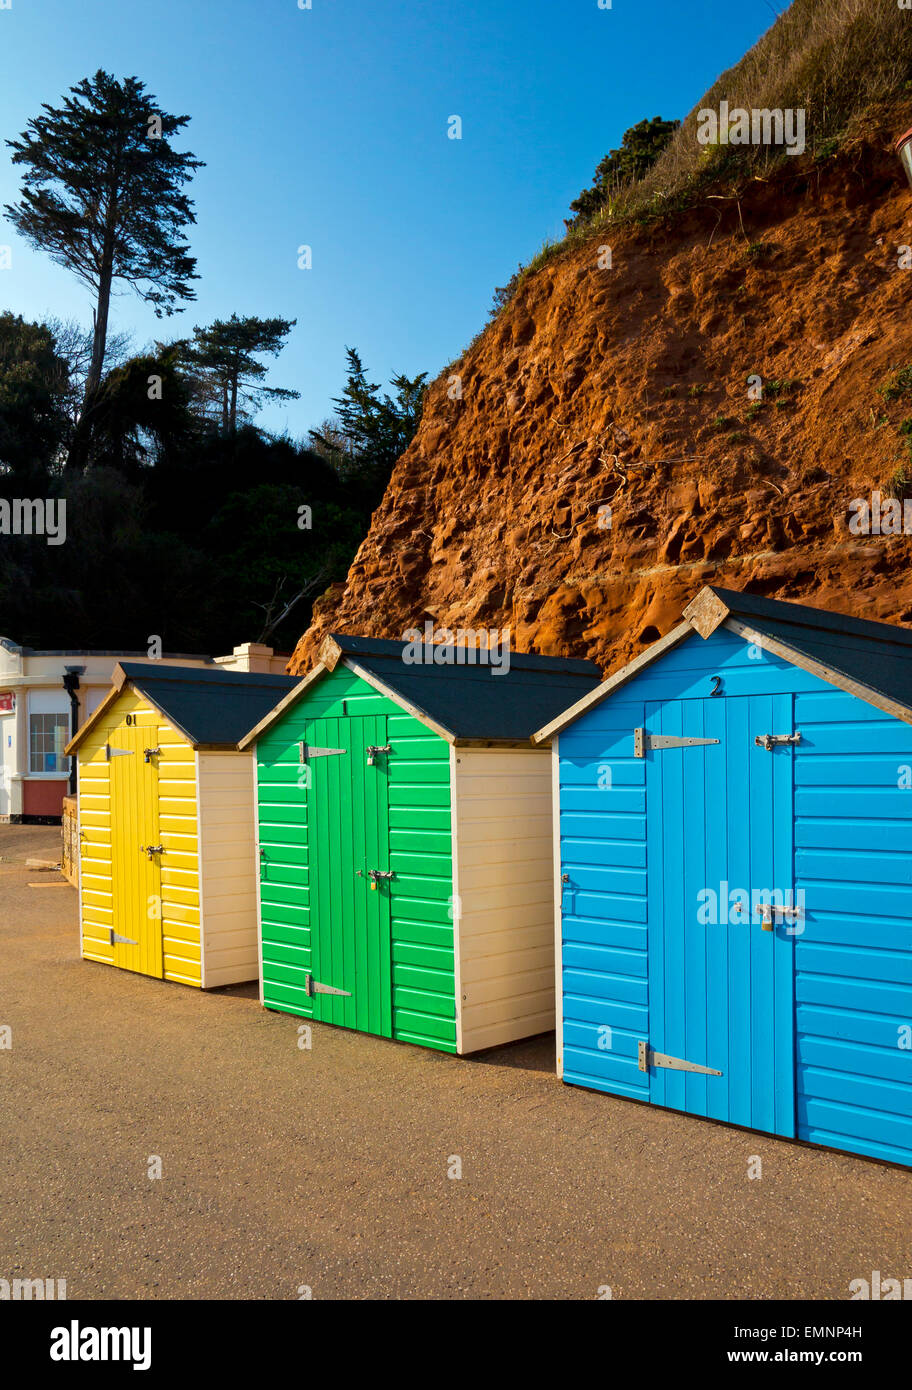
x=286, y=701
x=383, y=689
x=818, y=669
x=607, y=687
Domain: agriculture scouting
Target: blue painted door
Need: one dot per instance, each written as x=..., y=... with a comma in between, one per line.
x=719, y=844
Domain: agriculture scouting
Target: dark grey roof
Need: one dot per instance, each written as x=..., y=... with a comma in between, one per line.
x=803, y=615
x=870, y=660
x=877, y=656
x=211, y=707
x=472, y=701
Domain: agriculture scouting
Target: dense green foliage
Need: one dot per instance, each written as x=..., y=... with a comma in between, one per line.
x=203, y=534
x=370, y=430
x=33, y=384
x=183, y=521
x=640, y=148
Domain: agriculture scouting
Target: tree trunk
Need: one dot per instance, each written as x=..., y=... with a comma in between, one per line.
x=100, y=340
x=234, y=394
x=79, y=449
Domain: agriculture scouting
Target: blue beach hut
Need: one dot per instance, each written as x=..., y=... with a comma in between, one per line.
x=733, y=847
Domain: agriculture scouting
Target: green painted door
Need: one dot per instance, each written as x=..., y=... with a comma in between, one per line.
x=348, y=835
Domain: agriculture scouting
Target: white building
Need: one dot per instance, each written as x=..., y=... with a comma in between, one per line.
x=39, y=714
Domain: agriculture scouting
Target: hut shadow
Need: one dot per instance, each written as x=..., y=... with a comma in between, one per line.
x=250, y=989
x=528, y=1054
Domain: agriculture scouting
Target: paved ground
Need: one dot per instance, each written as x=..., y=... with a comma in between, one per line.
x=328, y=1168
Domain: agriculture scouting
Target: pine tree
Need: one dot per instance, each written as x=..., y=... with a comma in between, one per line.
x=379, y=428
x=103, y=195
x=222, y=358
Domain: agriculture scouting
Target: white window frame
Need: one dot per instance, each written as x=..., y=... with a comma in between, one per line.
x=48, y=702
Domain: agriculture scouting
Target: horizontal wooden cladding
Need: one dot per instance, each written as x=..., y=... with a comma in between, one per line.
x=287, y=997
x=181, y=972
x=186, y=932
x=428, y=1029
x=421, y=894
x=587, y=1061
x=177, y=914
x=505, y=894
x=180, y=949
x=228, y=879
x=853, y=960
x=511, y=956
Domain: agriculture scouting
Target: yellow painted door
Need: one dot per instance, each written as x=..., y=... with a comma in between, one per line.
x=135, y=852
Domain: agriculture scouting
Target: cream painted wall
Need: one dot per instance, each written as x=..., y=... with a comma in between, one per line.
x=228, y=875
x=503, y=885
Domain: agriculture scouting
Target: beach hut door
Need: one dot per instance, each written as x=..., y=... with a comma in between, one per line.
x=347, y=795
x=136, y=853
x=722, y=918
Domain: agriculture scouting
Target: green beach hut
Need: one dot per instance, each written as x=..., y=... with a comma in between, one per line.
x=404, y=841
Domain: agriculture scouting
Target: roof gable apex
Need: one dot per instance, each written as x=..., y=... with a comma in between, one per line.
x=864, y=658
x=286, y=703
x=119, y=685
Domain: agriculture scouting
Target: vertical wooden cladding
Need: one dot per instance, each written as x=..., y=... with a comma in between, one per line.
x=504, y=891
x=720, y=989
x=414, y=778
x=347, y=809
x=135, y=877
x=175, y=773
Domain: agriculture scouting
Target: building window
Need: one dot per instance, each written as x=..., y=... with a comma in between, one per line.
x=48, y=736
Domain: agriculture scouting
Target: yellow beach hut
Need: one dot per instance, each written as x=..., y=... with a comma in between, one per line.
x=167, y=882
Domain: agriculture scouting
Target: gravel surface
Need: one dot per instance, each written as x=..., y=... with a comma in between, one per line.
x=285, y=1168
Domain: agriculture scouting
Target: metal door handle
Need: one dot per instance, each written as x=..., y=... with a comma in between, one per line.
x=376, y=875
x=767, y=911
x=771, y=741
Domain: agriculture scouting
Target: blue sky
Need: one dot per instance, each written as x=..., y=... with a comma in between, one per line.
x=328, y=127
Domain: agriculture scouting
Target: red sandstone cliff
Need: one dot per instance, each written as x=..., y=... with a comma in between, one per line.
x=628, y=388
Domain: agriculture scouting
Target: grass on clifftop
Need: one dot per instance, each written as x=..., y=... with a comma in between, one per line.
x=837, y=60
x=843, y=62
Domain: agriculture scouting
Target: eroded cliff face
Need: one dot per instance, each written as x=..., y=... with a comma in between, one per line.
x=628, y=389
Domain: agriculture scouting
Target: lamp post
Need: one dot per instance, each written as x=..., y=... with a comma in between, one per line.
x=71, y=686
